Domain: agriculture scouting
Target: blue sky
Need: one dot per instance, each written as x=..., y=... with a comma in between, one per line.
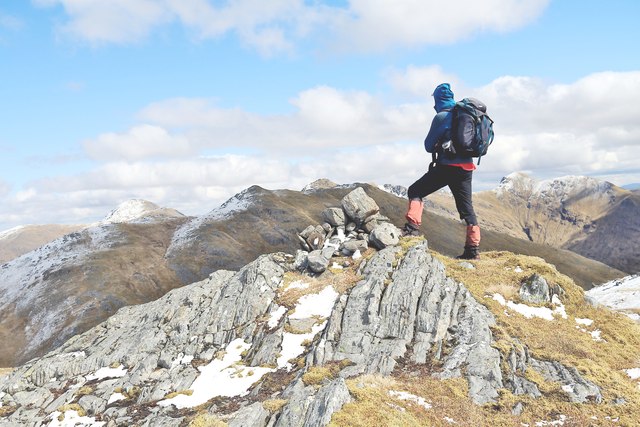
x=185, y=103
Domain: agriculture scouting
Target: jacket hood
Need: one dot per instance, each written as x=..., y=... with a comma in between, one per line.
x=443, y=97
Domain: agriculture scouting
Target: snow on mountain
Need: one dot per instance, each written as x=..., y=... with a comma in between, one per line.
x=11, y=232
x=37, y=268
x=138, y=211
x=130, y=211
x=556, y=189
x=189, y=230
x=620, y=294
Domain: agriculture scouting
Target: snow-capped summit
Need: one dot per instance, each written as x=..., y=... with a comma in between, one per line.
x=571, y=186
x=138, y=210
x=558, y=189
x=516, y=183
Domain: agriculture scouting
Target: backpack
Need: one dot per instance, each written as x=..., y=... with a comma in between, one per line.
x=471, y=129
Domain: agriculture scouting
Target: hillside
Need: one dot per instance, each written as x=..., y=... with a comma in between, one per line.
x=76, y=282
x=592, y=218
x=396, y=335
x=20, y=240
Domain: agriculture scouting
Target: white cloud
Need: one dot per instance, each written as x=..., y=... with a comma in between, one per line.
x=376, y=25
x=420, y=81
x=587, y=128
x=140, y=142
x=277, y=25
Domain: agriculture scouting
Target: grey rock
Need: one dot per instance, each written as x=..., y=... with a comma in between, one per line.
x=293, y=413
x=413, y=304
x=317, y=261
x=316, y=239
x=385, y=234
x=92, y=404
x=251, y=416
x=518, y=409
x=307, y=231
x=328, y=400
x=535, y=290
x=351, y=246
x=334, y=216
x=359, y=206
x=514, y=380
x=573, y=384
x=467, y=265
x=301, y=260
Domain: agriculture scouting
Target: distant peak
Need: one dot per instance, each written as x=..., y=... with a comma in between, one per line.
x=136, y=209
x=523, y=185
x=319, y=184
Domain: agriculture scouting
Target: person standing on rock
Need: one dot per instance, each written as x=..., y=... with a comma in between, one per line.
x=445, y=170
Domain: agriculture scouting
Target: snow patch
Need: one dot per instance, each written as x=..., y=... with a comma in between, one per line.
x=559, y=422
x=103, y=373
x=72, y=419
x=115, y=397
x=620, y=294
x=298, y=284
x=403, y=395
x=634, y=373
x=226, y=377
x=530, y=312
x=292, y=345
x=320, y=304
x=585, y=322
x=276, y=315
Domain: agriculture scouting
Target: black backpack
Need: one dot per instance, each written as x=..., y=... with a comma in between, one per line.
x=471, y=129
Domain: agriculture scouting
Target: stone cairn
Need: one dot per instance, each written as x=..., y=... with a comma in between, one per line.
x=348, y=230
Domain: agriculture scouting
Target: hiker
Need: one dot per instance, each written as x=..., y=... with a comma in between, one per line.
x=446, y=169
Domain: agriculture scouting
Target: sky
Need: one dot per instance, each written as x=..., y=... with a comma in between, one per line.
x=186, y=102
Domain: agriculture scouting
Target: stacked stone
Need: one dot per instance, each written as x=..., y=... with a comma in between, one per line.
x=347, y=230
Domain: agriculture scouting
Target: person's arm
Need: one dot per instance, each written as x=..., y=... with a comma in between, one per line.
x=436, y=131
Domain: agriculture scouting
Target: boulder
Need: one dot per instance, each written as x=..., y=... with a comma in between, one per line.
x=334, y=216
x=535, y=290
x=317, y=261
x=385, y=234
x=359, y=206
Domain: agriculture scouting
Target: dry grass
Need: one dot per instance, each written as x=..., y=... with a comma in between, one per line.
x=375, y=406
x=600, y=362
x=341, y=281
x=274, y=405
x=5, y=371
x=207, y=420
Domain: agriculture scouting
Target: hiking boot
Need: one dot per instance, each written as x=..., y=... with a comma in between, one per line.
x=410, y=230
x=470, y=252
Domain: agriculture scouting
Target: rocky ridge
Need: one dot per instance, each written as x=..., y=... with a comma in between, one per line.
x=280, y=343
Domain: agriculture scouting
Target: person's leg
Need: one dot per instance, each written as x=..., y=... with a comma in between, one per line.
x=430, y=182
x=461, y=187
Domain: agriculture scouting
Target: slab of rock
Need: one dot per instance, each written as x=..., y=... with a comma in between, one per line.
x=334, y=216
x=385, y=234
x=359, y=206
x=317, y=261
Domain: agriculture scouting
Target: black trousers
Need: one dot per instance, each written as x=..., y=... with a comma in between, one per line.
x=458, y=180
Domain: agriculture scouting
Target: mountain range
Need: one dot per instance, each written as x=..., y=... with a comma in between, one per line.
x=364, y=328
x=593, y=218
x=140, y=251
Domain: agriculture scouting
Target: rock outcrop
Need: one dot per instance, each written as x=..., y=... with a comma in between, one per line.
x=247, y=346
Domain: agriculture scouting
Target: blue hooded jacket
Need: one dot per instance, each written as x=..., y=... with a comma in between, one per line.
x=440, y=130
